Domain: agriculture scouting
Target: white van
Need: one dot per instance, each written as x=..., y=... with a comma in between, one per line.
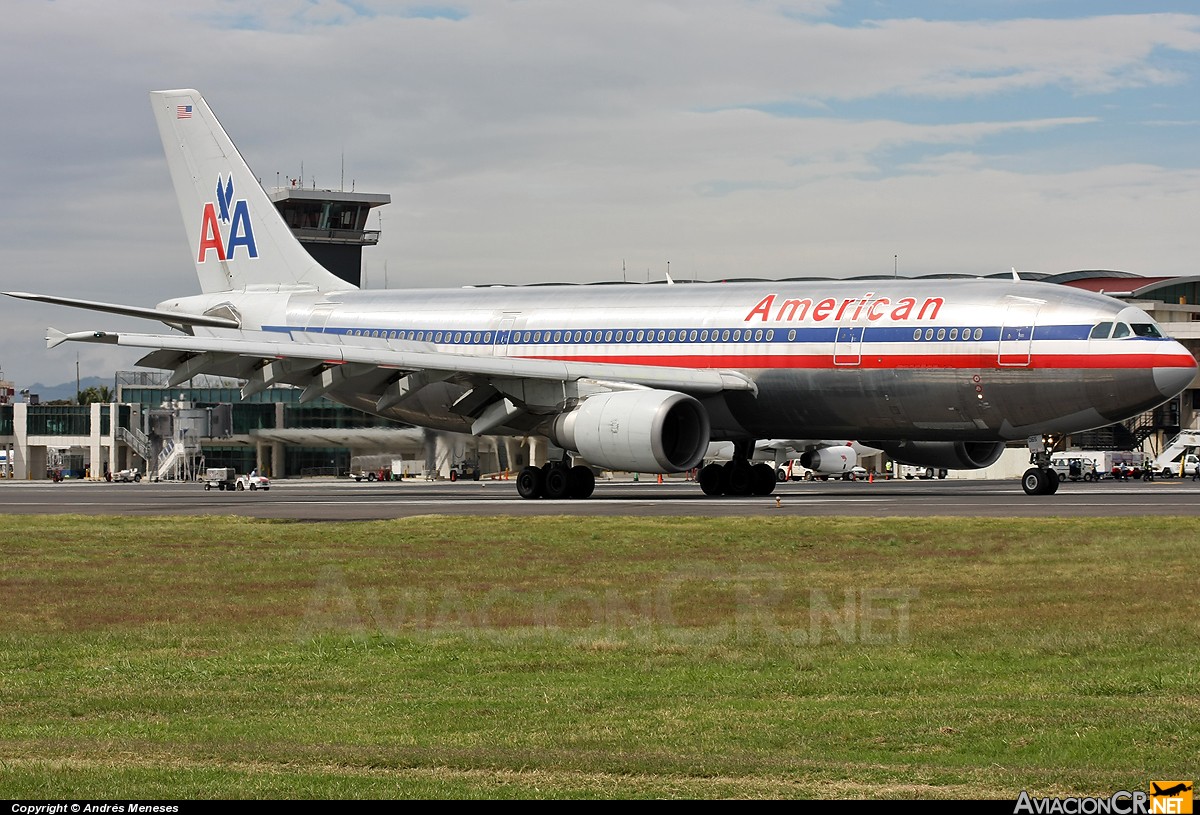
x=1075, y=466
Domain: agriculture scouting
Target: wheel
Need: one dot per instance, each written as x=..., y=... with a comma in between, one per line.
x=221, y=486
x=208, y=486
x=737, y=478
x=529, y=482
x=253, y=487
x=710, y=479
x=476, y=473
x=763, y=479
x=581, y=482
x=929, y=472
x=1037, y=481
x=241, y=487
x=781, y=475
x=558, y=485
x=454, y=475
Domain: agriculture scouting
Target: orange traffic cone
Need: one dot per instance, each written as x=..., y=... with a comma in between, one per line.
x=660, y=478
x=871, y=477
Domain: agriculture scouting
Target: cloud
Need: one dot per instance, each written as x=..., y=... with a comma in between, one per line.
x=532, y=141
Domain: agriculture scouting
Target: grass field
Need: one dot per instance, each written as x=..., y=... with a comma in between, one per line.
x=437, y=657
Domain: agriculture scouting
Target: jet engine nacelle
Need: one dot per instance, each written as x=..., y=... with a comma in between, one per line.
x=830, y=460
x=646, y=431
x=949, y=455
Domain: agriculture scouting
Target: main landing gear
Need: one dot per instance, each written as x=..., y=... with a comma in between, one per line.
x=556, y=480
x=738, y=476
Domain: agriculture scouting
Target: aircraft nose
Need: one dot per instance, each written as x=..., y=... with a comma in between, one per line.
x=1172, y=379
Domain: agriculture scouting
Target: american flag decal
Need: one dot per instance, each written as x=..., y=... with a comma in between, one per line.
x=183, y=111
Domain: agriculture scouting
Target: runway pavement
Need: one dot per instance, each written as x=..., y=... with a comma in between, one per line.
x=345, y=500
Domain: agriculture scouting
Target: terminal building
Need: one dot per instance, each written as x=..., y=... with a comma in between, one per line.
x=174, y=432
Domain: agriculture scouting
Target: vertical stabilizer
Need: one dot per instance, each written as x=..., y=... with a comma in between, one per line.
x=236, y=235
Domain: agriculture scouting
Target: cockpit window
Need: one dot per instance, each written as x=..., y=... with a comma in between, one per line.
x=1146, y=330
x=1100, y=331
x=1122, y=330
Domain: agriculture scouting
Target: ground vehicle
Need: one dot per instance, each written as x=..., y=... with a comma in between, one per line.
x=253, y=482
x=464, y=472
x=1074, y=466
x=223, y=478
x=126, y=476
x=793, y=470
x=910, y=472
x=1180, y=452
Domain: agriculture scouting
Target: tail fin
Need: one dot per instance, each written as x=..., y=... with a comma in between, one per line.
x=238, y=239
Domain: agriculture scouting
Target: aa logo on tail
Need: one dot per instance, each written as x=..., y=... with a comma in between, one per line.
x=1170, y=798
x=238, y=231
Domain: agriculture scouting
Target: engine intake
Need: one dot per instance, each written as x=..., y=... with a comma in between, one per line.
x=648, y=431
x=950, y=455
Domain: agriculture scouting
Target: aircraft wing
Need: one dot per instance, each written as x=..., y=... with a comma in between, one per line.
x=171, y=318
x=392, y=372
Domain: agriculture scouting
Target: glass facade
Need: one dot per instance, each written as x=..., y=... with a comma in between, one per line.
x=6, y=420
x=60, y=420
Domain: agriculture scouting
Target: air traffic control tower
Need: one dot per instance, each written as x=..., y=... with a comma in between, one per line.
x=331, y=224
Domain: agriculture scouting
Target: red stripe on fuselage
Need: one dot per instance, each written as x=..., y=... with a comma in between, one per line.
x=967, y=361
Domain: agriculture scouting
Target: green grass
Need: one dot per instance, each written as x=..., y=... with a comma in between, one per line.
x=561, y=658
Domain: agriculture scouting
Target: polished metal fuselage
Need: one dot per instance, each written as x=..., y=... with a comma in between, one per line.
x=942, y=359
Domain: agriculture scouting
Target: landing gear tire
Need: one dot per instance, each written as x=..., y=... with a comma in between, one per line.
x=710, y=479
x=581, y=482
x=763, y=479
x=557, y=485
x=530, y=482
x=737, y=478
x=1038, y=481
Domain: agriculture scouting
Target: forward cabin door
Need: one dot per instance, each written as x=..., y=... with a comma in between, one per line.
x=1016, y=335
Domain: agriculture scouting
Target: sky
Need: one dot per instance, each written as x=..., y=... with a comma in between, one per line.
x=540, y=140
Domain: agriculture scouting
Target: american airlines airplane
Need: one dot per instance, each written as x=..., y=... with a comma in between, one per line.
x=938, y=373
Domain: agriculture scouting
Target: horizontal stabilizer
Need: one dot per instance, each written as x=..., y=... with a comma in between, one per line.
x=168, y=317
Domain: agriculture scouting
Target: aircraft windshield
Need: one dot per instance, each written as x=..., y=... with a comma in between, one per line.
x=1146, y=330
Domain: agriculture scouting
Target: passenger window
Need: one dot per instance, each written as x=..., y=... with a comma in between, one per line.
x=791, y=335
x=941, y=334
x=1100, y=331
x=978, y=333
x=1121, y=330
x=953, y=333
